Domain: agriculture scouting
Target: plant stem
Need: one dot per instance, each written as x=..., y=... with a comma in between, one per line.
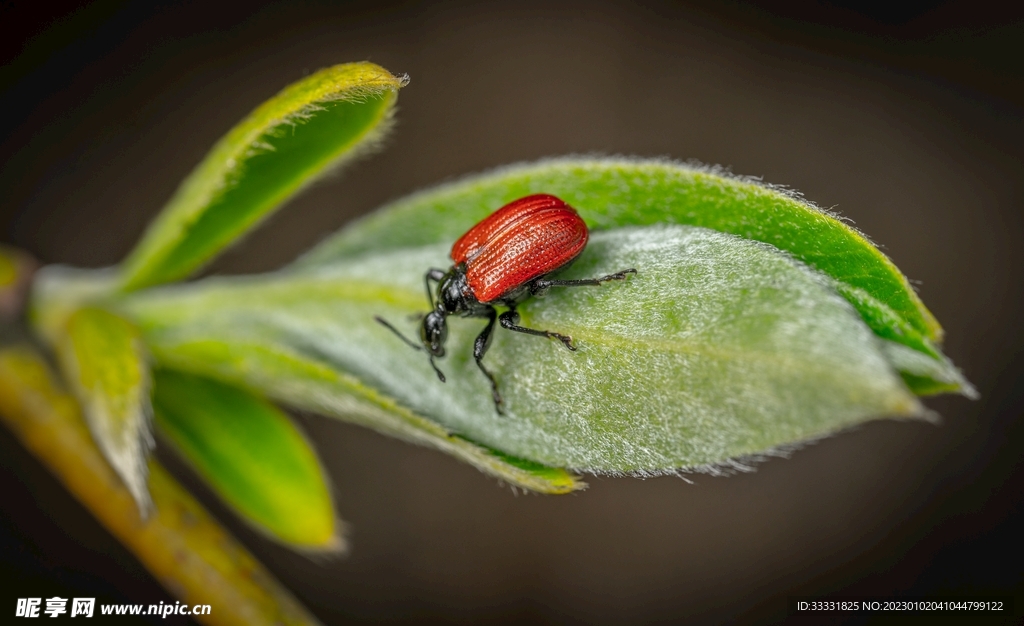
x=181, y=544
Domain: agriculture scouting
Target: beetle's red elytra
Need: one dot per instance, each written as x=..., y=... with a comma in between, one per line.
x=501, y=261
x=528, y=238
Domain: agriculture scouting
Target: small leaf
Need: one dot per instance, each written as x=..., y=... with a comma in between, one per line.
x=284, y=145
x=300, y=376
x=927, y=376
x=304, y=380
x=720, y=347
x=181, y=544
x=105, y=362
x=251, y=454
x=60, y=290
x=616, y=192
x=16, y=271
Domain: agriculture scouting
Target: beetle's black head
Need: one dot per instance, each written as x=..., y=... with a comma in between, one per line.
x=433, y=335
x=435, y=332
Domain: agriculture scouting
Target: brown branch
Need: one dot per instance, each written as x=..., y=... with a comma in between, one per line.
x=183, y=546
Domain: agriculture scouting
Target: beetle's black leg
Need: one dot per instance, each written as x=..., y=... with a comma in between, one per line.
x=542, y=284
x=433, y=274
x=510, y=320
x=483, y=341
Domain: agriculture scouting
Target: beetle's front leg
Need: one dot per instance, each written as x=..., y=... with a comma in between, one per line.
x=433, y=274
x=510, y=320
x=480, y=346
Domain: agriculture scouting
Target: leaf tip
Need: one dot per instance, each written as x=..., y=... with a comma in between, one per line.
x=105, y=363
x=16, y=271
x=127, y=454
x=336, y=545
x=969, y=391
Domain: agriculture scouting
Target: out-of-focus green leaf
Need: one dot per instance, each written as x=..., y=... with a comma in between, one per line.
x=105, y=363
x=720, y=347
x=181, y=544
x=284, y=145
x=616, y=192
x=251, y=454
x=9, y=262
x=60, y=290
x=16, y=270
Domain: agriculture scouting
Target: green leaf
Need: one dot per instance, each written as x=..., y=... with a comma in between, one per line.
x=288, y=142
x=181, y=544
x=616, y=192
x=8, y=267
x=105, y=363
x=251, y=455
x=16, y=270
x=58, y=291
x=927, y=376
x=305, y=380
x=923, y=367
x=720, y=347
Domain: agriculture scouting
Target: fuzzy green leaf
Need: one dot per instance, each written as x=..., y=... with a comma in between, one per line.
x=305, y=380
x=105, y=363
x=305, y=131
x=720, y=347
x=617, y=192
x=251, y=455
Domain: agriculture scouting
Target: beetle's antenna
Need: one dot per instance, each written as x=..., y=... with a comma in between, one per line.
x=411, y=344
x=440, y=374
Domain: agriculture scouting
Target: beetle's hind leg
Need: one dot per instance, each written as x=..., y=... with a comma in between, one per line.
x=483, y=341
x=510, y=320
x=541, y=285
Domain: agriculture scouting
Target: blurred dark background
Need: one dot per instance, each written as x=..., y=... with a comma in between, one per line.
x=905, y=119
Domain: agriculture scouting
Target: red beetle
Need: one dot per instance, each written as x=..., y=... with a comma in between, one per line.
x=503, y=260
